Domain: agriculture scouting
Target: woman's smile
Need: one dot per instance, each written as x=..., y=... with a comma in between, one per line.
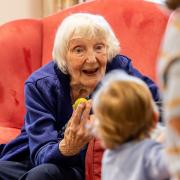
x=90, y=72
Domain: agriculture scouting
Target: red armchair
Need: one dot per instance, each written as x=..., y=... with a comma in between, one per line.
x=25, y=45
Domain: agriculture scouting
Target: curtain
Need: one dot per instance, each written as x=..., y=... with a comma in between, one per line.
x=52, y=6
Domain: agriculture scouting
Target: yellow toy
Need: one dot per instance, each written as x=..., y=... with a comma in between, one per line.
x=78, y=101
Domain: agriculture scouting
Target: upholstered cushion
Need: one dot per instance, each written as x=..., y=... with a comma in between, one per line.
x=20, y=55
x=93, y=160
x=7, y=134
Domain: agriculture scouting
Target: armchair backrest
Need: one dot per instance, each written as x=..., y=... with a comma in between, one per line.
x=25, y=45
x=138, y=24
x=20, y=55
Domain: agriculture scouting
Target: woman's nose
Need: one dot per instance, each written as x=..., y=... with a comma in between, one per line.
x=91, y=57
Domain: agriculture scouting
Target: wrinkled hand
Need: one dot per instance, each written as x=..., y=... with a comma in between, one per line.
x=76, y=134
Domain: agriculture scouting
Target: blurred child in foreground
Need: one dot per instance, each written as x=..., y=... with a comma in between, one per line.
x=125, y=114
x=169, y=74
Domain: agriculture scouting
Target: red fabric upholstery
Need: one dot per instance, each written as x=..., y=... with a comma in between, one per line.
x=20, y=54
x=93, y=160
x=25, y=45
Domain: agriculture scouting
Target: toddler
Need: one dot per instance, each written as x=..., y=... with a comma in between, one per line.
x=125, y=114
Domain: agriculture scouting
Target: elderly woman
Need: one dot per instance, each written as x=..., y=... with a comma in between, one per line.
x=53, y=141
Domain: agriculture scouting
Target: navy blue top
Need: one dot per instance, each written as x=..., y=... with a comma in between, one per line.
x=48, y=108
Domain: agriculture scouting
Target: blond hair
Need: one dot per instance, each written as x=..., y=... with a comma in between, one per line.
x=124, y=108
x=85, y=25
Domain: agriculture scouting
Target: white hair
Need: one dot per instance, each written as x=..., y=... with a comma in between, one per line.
x=85, y=25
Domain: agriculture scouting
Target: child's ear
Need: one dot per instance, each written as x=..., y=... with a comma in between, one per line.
x=155, y=118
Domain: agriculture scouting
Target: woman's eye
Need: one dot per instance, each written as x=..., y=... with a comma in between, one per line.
x=100, y=48
x=78, y=50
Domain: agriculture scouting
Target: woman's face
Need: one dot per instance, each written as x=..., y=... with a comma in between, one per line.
x=86, y=61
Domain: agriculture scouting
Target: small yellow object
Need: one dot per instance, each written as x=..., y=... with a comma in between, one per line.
x=78, y=101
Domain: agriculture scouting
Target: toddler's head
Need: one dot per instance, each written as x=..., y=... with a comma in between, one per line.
x=124, y=109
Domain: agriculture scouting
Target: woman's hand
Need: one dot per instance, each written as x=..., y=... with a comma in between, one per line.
x=76, y=134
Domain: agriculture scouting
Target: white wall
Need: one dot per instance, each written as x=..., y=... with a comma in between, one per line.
x=157, y=1
x=16, y=9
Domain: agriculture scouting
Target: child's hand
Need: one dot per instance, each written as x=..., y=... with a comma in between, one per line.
x=158, y=133
x=161, y=138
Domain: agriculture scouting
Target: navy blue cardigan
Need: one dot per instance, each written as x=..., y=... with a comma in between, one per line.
x=48, y=105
